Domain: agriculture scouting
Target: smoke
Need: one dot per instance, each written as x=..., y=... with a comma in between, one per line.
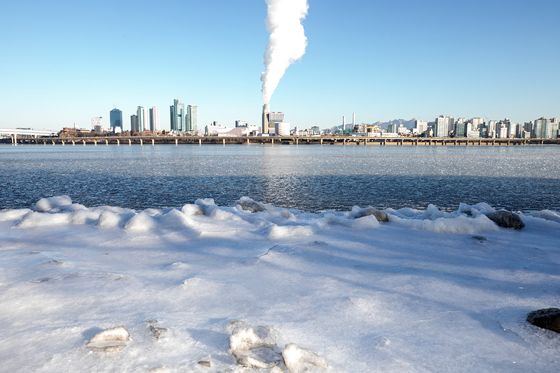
x=287, y=41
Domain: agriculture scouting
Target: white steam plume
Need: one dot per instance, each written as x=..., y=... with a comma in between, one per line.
x=287, y=41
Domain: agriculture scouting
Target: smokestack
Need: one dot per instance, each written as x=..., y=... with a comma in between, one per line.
x=265, y=119
x=353, y=119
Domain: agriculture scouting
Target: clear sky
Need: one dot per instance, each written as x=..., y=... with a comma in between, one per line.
x=64, y=62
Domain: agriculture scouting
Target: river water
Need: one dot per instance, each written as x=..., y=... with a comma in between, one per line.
x=307, y=177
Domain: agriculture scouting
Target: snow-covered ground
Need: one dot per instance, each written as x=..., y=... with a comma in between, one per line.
x=427, y=291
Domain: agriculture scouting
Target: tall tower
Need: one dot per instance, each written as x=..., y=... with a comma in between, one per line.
x=265, y=119
x=141, y=114
x=154, y=119
x=192, y=118
x=343, y=123
x=353, y=119
x=178, y=116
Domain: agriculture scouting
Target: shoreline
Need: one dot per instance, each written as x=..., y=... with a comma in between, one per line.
x=275, y=140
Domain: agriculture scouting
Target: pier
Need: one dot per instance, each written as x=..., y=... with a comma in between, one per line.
x=275, y=140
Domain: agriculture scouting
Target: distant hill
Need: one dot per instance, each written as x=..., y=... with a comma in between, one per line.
x=407, y=123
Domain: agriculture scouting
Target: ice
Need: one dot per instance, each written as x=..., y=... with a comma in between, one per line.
x=109, y=340
x=140, y=223
x=53, y=204
x=429, y=290
x=299, y=360
x=289, y=231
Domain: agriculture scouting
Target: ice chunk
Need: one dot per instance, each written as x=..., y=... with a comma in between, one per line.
x=253, y=347
x=109, y=340
x=459, y=224
x=13, y=215
x=366, y=222
x=544, y=214
x=140, y=222
x=109, y=219
x=248, y=204
x=53, y=204
x=191, y=210
x=85, y=216
x=300, y=360
x=358, y=212
x=175, y=220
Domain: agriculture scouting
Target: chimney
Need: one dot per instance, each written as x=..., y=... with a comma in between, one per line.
x=265, y=119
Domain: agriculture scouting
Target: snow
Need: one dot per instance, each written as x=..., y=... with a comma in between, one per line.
x=429, y=290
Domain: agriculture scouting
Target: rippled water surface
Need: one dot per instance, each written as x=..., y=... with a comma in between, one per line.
x=305, y=177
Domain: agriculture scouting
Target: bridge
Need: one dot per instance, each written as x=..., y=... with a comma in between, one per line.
x=14, y=133
x=290, y=140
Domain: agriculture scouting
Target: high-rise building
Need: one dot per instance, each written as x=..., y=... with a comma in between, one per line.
x=154, y=119
x=134, y=123
x=115, y=119
x=178, y=116
x=420, y=126
x=192, y=118
x=545, y=128
x=555, y=123
x=141, y=114
x=442, y=126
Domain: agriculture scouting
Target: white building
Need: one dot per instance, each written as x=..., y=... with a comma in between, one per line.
x=443, y=126
x=420, y=126
x=282, y=129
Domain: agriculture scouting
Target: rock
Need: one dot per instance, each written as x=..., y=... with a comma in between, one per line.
x=546, y=318
x=253, y=347
x=109, y=340
x=250, y=205
x=300, y=360
x=479, y=238
x=157, y=331
x=506, y=219
x=206, y=363
x=358, y=212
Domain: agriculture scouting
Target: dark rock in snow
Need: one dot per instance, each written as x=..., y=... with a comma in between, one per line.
x=157, y=331
x=381, y=216
x=506, y=219
x=207, y=363
x=546, y=318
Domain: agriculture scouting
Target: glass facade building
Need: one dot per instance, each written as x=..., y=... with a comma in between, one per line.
x=192, y=118
x=178, y=116
x=115, y=119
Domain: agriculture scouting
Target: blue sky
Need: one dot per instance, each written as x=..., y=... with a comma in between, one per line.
x=64, y=62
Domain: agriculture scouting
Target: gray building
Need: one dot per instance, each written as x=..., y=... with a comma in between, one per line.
x=115, y=119
x=178, y=116
x=141, y=114
x=154, y=119
x=134, y=124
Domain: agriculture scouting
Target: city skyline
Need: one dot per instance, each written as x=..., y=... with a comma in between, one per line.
x=382, y=61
